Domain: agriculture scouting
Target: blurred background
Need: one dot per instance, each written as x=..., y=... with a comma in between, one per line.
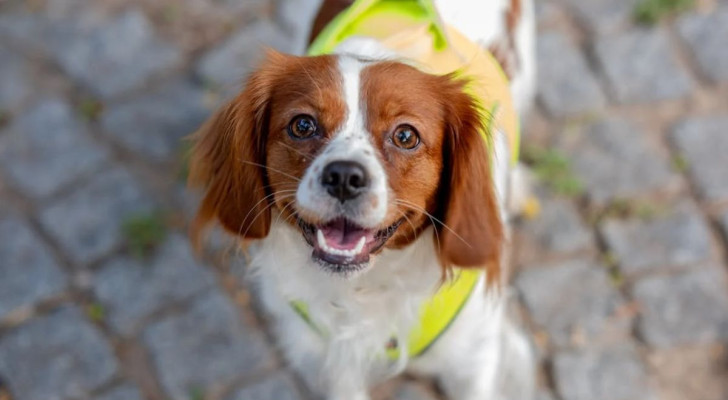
x=621, y=276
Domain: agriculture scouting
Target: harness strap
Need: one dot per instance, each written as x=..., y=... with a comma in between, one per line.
x=435, y=316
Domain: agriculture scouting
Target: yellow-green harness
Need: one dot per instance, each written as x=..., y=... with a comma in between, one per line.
x=403, y=25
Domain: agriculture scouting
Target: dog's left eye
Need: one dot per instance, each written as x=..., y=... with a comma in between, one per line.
x=302, y=127
x=406, y=137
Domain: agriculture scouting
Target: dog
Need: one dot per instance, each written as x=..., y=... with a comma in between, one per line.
x=373, y=181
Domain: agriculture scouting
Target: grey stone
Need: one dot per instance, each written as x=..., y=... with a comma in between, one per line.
x=558, y=228
x=87, y=223
x=680, y=238
x=207, y=345
x=28, y=272
x=694, y=372
x=703, y=143
x=48, y=148
x=40, y=29
x=614, y=373
x=573, y=300
x=296, y=17
x=58, y=356
x=547, y=12
x=640, y=67
x=132, y=289
x=17, y=83
x=723, y=223
x=124, y=392
x=228, y=64
x=544, y=394
x=615, y=160
x=706, y=36
x=278, y=387
x=688, y=308
x=116, y=56
x=412, y=391
x=604, y=16
x=566, y=86
x=154, y=124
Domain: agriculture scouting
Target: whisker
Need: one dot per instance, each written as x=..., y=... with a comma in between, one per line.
x=432, y=218
x=259, y=214
x=272, y=169
x=409, y=221
x=304, y=155
x=245, y=219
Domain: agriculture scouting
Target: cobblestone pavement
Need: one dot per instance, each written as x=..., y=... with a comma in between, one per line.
x=622, y=278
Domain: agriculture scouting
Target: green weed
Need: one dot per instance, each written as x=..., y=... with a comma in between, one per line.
x=144, y=232
x=553, y=169
x=649, y=12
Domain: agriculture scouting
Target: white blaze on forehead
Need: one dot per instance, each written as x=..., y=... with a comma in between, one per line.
x=350, y=142
x=351, y=69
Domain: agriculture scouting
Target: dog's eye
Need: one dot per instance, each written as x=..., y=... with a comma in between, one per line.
x=405, y=137
x=302, y=127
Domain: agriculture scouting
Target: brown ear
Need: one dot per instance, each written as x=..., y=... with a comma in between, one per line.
x=227, y=161
x=473, y=235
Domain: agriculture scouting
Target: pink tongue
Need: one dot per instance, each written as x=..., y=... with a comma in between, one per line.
x=343, y=235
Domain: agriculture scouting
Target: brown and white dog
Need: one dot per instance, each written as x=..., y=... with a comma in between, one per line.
x=361, y=181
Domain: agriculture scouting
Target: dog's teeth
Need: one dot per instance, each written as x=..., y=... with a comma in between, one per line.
x=321, y=239
x=360, y=245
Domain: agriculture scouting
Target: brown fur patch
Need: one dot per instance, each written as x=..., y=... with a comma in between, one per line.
x=243, y=156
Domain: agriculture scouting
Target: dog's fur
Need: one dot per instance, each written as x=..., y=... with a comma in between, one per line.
x=447, y=198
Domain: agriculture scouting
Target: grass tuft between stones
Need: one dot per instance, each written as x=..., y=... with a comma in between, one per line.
x=553, y=169
x=621, y=208
x=96, y=312
x=196, y=393
x=144, y=232
x=649, y=12
x=90, y=109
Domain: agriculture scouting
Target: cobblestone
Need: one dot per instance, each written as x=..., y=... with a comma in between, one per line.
x=181, y=330
x=59, y=356
x=703, y=143
x=154, y=124
x=586, y=309
x=680, y=238
x=133, y=289
x=297, y=18
x=706, y=35
x=16, y=88
x=124, y=392
x=116, y=56
x=614, y=373
x=29, y=272
x=47, y=148
x=604, y=16
x=695, y=373
x=723, y=223
x=205, y=347
x=566, y=85
x=615, y=160
x=412, y=391
x=558, y=228
x=640, y=67
x=87, y=223
x=227, y=66
x=689, y=308
x=278, y=387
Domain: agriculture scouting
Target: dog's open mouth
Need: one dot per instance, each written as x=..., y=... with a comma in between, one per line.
x=341, y=245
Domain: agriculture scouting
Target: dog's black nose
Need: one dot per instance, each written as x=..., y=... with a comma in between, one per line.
x=344, y=180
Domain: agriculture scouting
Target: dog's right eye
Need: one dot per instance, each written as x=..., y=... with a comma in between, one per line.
x=302, y=127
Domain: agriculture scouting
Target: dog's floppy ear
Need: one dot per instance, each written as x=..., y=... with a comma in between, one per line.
x=228, y=161
x=472, y=234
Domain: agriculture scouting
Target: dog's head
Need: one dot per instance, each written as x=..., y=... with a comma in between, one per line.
x=358, y=156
